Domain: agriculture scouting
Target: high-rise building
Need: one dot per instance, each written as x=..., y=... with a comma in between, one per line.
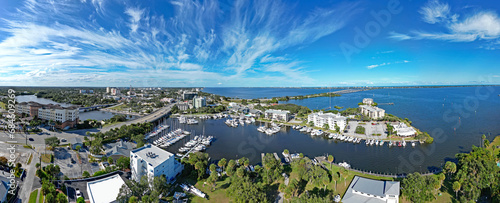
x=199, y=102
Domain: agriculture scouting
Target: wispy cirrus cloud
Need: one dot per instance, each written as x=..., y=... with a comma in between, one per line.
x=385, y=64
x=481, y=25
x=198, y=42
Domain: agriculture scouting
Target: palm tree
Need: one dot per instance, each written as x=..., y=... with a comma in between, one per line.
x=222, y=163
x=450, y=167
x=326, y=180
x=456, y=188
x=286, y=152
x=335, y=177
x=330, y=159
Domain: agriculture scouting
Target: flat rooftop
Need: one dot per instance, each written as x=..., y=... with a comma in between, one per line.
x=105, y=190
x=152, y=154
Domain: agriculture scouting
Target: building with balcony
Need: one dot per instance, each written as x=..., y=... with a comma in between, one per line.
x=151, y=161
x=319, y=119
x=372, y=111
x=279, y=115
x=62, y=116
x=199, y=102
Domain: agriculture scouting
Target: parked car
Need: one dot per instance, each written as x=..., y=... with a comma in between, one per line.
x=63, y=140
x=78, y=193
x=31, y=139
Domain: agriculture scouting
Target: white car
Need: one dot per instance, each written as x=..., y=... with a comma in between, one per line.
x=78, y=193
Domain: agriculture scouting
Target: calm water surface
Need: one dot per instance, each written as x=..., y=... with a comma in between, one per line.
x=460, y=115
x=262, y=92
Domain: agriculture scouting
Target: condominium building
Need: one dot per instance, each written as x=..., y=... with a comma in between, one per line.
x=199, y=102
x=63, y=116
x=279, y=115
x=320, y=119
x=368, y=101
x=372, y=111
x=153, y=161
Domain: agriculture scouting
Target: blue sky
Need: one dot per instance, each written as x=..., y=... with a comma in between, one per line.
x=248, y=43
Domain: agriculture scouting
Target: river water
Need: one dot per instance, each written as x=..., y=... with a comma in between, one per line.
x=457, y=117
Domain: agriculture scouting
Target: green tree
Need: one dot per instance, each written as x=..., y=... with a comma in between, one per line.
x=213, y=168
x=78, y=147
x=456, y=188
x=80, y=200
x=417, y=188
x=123, y=162
x=330, y=159
x=110, y=160
x=49, y=198
x=240, y=172
x=335, y=177
x=450, y=167
x=222, y=163
x=86, y=174
x=286, y=152
x=61, y=198
x=326, y=126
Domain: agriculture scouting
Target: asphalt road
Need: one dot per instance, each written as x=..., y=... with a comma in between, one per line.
x=143, y=119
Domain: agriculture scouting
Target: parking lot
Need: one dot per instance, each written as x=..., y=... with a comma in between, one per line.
x=371, y=128
x=69, y=164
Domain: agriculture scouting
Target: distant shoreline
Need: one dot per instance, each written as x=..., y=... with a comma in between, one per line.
x=312, y=87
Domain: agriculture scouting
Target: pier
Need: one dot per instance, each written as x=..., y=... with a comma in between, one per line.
x=386, y=103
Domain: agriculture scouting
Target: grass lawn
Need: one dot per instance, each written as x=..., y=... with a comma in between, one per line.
x=30, y=158
x=40, y=199
x=33, y=196
x=46, y=158
x=218, y=195
x=494, y=144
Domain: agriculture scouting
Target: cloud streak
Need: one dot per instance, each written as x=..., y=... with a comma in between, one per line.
x=199, y=42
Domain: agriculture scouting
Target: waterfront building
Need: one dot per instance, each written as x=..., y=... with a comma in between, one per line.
x=108, y=90
x=372, y=111
x=105, y=189
x=199, y=102
x=63, y=116
x=403, y=130
x=320, y=119
x=183, y=106
x=368, y=101
x=188, y=95
x=274, y=114
x=368, y=190
x=153, y=161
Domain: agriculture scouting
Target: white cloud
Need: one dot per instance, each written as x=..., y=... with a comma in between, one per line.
x=385, y=64
x=398, y=36
x=434, y=12
x=135, y=17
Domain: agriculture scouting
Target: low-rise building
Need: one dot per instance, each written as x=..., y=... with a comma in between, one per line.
x=372, y=111
x=153, y=161
x=319, y=119
x=4, y=188
x=105, y=189
x=183, y=106
x=374, y=191
x=199, y=102
x=368, y=101
x=403, y=130
x=75, y=141
x=63, y=116
x=118, y=149
x=279, y=115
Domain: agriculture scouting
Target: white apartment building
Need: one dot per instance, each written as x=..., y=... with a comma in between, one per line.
x=320, y=119
x=152, y=161
x=279, y=115
x=368, y=101
x=372, y=111
x=199, y=102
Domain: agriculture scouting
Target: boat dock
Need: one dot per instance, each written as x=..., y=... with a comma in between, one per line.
x=277, y=157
